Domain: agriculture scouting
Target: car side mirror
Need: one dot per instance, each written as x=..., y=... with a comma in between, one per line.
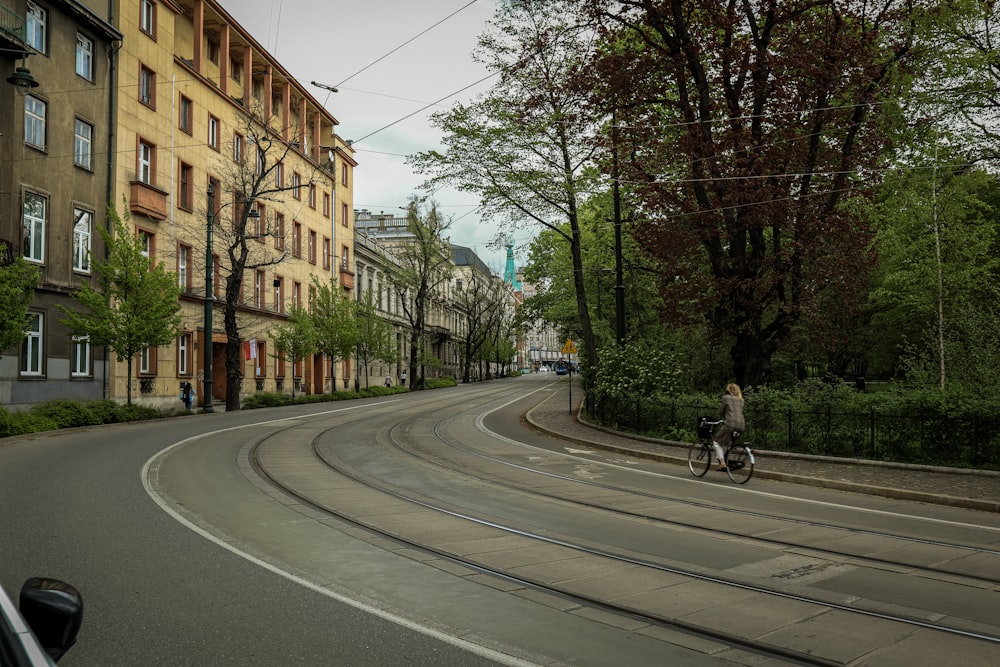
x=54, y=611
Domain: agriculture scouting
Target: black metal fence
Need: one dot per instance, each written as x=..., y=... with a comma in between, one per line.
x=934, y=439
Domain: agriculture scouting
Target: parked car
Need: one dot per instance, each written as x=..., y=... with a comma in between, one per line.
x=42, y=626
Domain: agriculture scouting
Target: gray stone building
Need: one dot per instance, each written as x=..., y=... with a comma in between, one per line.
x=56, y=143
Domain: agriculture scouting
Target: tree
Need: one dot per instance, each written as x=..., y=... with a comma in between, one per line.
x=747, y=129
x=334, y=320
x=422, y=266
x=242, y=238
x=480, y=303
x=17, y=287
x=137, y=303
x=903, y=328
x=296, y=338
x=526, y=147
x=375, y=336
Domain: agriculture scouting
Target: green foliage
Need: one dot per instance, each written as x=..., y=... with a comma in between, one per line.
x=296, y=339
x=638, y=368
x=441, y=382
x=273, y=400
x=66, y=414
x=137, y=304
x=831, y=419
x=333, y=317
x=54, y=415
x=376, y=340
x=17, y=289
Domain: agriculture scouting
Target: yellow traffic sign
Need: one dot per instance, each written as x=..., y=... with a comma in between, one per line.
x=569, y=347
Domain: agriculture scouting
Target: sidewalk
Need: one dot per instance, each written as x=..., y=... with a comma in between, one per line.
x=969, y=489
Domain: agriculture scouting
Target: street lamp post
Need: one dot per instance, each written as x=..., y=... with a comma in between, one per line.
x=206, y=404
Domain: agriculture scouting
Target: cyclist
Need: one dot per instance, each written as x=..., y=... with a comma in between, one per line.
x=731, y=413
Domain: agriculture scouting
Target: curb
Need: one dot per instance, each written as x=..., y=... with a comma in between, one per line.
x=885, y=492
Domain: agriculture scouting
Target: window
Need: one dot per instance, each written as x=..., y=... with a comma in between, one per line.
x=258, y=289
x=184, y=265
x=343, y=174
x=345, y=258
x=85, y=57
x=326, y=253
x=279, y=232
x=326, y=204
x=296, y=185
x=147, y=17
x=148, y=242
x=36, y=27
x=83, y=136
x=146, y=166
x=279, y=175
x=343, y=215
x=312, y=247
x=261, y=161
x=279, y=289
x=34, y=226
x=260, y=223
x=147, y=86
x=34, y=122
x=213, y=132
x=296, y=239
x=82, y=231
x=213, y=51
x=147, y=361
x=79, y=356
x=297, y=294
x=237, y=147
x=312, y=196
x=235, y=70
x=31, y=346
x=186, y=195
x=185, y=112
x=184, y=354
x=260, y=361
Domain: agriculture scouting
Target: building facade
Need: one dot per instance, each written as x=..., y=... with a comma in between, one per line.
x=56, y=136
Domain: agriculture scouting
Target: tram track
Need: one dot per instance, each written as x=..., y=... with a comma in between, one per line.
x=960, y=548
x=341, y=469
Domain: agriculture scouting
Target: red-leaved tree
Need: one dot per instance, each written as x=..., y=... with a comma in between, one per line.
x=748, y=130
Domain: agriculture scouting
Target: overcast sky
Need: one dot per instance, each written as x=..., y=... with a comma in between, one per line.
x=332, y=41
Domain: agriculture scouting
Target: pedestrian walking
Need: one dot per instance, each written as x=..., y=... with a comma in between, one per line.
x=187, y=395
x=402, y=378
x=388, y=381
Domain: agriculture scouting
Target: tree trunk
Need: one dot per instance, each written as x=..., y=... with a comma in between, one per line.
x=751, y=361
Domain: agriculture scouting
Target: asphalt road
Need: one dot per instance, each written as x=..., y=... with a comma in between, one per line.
x=73, y=506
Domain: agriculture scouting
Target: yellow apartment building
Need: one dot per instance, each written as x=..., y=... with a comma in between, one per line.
x=224, y=161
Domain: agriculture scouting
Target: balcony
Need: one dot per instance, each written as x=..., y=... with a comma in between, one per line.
x=346, y=277
x=147, y=200
x=12, y=32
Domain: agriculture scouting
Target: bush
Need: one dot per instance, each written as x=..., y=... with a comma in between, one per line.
x=65, y=414
x=106, y=410
x=266, y=400
x=441, y=382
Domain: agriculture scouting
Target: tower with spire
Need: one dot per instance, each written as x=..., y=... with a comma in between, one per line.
x=510, y=271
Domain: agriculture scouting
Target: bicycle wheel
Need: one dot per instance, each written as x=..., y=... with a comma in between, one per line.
x=699, y=459
x=739, y=463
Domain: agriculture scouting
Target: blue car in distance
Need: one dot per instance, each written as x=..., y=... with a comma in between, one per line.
x=562, y=369
x=45, y=626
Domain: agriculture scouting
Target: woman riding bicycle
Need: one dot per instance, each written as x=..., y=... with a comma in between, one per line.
x=731, y=413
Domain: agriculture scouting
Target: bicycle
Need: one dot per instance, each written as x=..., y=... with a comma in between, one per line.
x=739, y=455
